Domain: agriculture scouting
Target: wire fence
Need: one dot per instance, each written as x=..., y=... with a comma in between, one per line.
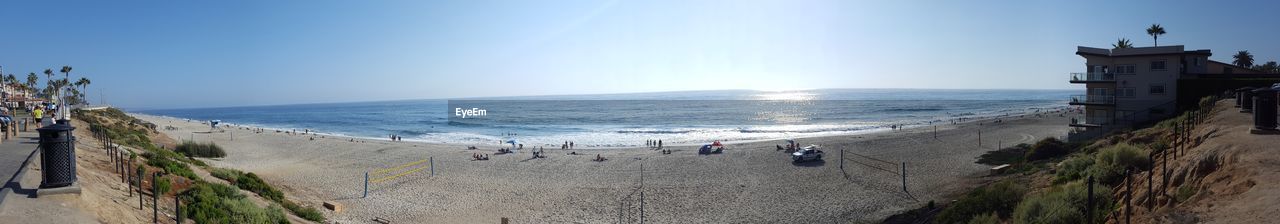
x=1184, y=139
x=126, y=163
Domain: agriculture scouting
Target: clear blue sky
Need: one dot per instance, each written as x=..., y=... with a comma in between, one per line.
x=162, y=54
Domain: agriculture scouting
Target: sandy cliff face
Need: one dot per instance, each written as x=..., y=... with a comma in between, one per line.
x=1226, y=176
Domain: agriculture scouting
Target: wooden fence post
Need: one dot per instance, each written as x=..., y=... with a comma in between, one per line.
x=177, y=209
x=1151, y=171
x=1128, y=191
x=1088, y=211
x=141, y=175
x=1164, y=182
x=128, y=177
x=155, y=197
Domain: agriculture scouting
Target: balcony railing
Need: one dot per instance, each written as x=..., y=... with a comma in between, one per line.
x=1093, y=99
x=1092, y=121
x=1092, y=77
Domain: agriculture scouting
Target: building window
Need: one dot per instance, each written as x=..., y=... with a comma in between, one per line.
x=1126, y=92
x=1098, y=91
x=1156, y=90
x=1124, y=115
x=1125, y=69
x=1158, y=65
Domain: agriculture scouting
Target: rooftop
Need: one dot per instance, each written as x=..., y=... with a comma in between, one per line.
x=1138, y=51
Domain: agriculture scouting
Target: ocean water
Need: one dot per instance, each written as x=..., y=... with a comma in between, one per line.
x=618, y=120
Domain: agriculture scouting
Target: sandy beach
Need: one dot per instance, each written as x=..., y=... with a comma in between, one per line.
x=749, y=183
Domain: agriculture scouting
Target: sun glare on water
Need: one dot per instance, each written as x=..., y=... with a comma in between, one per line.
x=787, y=96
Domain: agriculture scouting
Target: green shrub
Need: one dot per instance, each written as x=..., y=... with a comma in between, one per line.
x=1169, y=123
x=305, y=212
x=217, y=203
x=989, y=218
x=169, y=165
x=1206, y=103
x=126, y=130
x=1110, y=163
x=1000, y=198
x=1010, y=155
x=163, y=186
x=1184, y=192
x=1074, y=168
x=1064, y=204
x=203, y=150
x=225, y=174
x=244, y=211
x=251, y=182
x=1047, y=148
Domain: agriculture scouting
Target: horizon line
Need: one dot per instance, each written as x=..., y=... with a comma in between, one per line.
x=555, y=95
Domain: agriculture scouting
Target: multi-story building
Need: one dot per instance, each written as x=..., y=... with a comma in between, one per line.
x=1128, y=85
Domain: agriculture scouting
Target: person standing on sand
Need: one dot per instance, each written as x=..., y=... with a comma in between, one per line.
x=659, y=143
x=570, y=145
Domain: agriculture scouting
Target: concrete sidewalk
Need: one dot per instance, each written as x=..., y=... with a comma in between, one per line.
x=14, y=155
x=19, y=163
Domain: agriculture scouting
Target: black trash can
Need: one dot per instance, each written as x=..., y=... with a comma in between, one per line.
x=1246, y=101
x=1239, y=93
x=1264, y=109
x=57, y=155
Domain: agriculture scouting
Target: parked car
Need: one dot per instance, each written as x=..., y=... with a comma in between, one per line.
x=808, y=153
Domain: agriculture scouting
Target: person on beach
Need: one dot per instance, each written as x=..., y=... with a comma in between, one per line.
x=659, y=143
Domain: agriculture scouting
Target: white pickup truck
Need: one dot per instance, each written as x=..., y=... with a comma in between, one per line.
x=807, y=153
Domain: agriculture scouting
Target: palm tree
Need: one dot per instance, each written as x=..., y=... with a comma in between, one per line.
x=83, y=83
x=11, y=79
x=48, y=74
x=66, y=72
x=1155, y=31
x=66, y=75
x=1122, y=43
x=1243, y=59
x=32, y=79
